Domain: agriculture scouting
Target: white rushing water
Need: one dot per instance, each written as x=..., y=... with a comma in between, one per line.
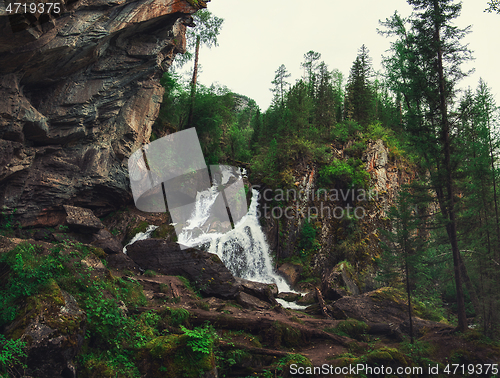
x=243, y=250
x=141, y=236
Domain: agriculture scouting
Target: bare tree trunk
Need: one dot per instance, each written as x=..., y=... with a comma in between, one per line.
x=193, y=82
x=470, y=288
x=408, y=291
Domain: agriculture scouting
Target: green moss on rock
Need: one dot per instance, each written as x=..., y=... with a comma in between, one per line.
x=172, y=357
x=141, y=227
x=165, y=231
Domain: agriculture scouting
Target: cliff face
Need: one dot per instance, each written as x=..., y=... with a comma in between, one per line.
x=346, y=225
x=79, y=91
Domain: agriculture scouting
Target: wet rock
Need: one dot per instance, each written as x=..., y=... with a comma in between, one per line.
x=263, y=291
x=103, y=239
x=309, y=298
x=291, y=272
x=205, y=270
x=289, y=297
x=122, y=262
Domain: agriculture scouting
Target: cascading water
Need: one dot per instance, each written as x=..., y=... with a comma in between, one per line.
x=243, y=250
x=141, y=236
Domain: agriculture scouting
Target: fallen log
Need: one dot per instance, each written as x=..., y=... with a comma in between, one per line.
x=256, y=324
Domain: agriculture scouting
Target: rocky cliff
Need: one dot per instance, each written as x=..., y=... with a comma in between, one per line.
x=79, y=91
x=346, y=225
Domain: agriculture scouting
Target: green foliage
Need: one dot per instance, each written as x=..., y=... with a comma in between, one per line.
x=307, y=240
x=350, y=174
x=177, y=316
x=283, y=334
x=200, y=339
x=346, y=130
x=229, y=358
x=12, y=354
x=29, y=274
x=360, y=93
x=150, y=273
x=377, y=131
x=7, y=221
x=283, y=365
x=493, y=6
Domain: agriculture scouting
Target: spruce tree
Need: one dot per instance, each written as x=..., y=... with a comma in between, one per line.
x=425, y=68
x=360, y=95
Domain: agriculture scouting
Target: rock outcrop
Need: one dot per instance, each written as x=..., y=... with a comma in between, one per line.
x=79, y=91
x=204, y=269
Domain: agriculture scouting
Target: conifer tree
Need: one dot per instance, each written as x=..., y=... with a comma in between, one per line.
x=325, y=103
x=311, y=65
x=360, y=95
x=280, y=85
x=426, y=68
x=494, y=6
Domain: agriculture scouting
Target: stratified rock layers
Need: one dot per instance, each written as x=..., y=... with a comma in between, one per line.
x=79, y=91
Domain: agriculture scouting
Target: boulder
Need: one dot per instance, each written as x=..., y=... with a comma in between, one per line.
x=375, y=306
x=249, y=301
x=263, y=291
x=205, y=270
x=308, y=299
x=289, y=297
x=54, y=328
x=103, y=239
x=338, y=283
x=291, y=272
x=82, y=220
x=385, y=310
x=122, y=262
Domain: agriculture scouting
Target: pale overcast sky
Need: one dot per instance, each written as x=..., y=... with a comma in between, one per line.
x=260, y=35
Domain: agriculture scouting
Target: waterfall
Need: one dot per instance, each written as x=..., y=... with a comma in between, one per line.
x=243, y=250
x=141, y=236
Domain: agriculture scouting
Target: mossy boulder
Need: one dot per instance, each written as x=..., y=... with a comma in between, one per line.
x=171, y=357
x=166, y=232
x=282, y=334
x=53, y=325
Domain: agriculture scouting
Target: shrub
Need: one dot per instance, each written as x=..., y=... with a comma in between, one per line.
x=12, y=354
x=351, y=174
x=200, y=339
